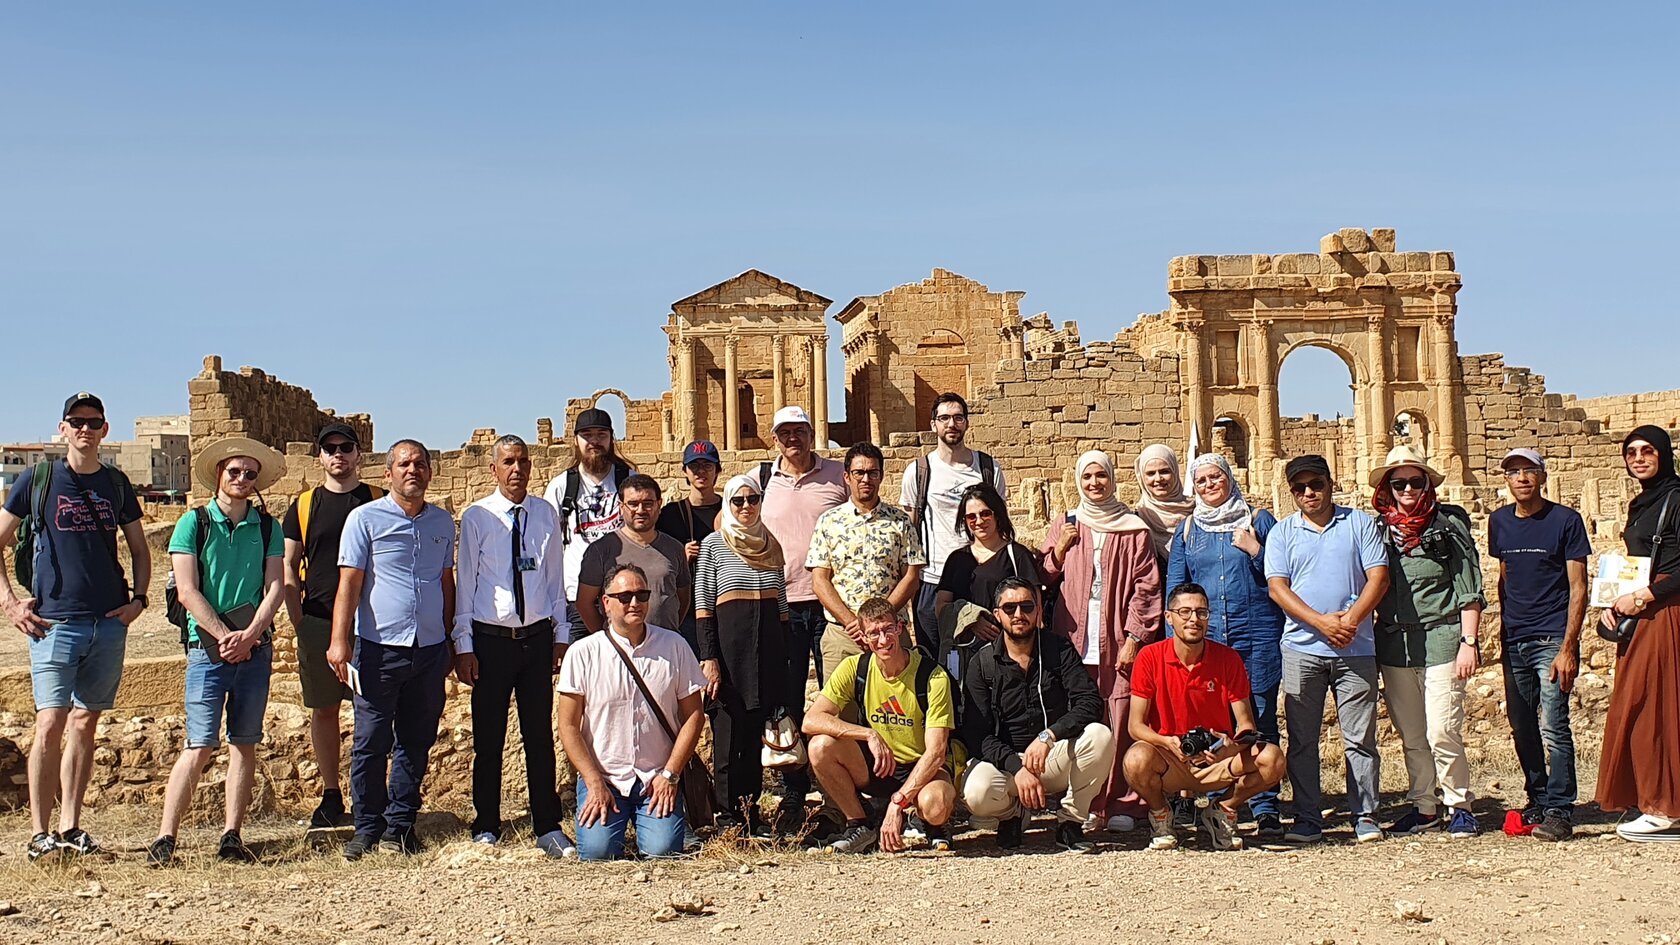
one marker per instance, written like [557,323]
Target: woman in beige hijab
[1163,504]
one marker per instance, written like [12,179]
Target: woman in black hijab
[1640,764]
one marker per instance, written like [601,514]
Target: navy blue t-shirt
[1536,552]
[76,574]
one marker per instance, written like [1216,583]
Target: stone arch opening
[1411,426]
[1319,405]
[616,403]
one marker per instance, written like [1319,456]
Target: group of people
[1131,669]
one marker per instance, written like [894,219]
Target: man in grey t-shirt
[639,543]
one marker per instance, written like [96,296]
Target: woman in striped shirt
[740,605]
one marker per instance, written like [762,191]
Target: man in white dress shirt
[510,584]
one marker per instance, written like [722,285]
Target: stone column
[1266,424]
[1381,401]
[685,394]
[1447,405]
[731,397]
[819,388]
[1195,384]
[1015,341]
[778,372]
[667,430]
[876,343]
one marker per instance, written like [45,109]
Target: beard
[1019,636]
[597,465]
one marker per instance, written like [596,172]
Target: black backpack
[33,529]
[574,483]
[173,608]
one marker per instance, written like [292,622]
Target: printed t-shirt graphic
[893,710]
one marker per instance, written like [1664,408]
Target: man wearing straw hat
[226,559]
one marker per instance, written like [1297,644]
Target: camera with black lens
[1198,741]
[1436,545]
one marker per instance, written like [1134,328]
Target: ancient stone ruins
[1205,368]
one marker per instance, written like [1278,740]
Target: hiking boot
[42,845]
[404,841]
[76,840]
[1161,833]
[1009,833]
[856,838]
[233,850]
[1221,827]
[1464,824]
[1556,826]
[1415,822]
[359,846]
[1268,827]
[329,812]
[1365,830]
[1071,837]
[161,852]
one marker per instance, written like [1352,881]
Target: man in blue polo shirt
[1327,567]
[396,591]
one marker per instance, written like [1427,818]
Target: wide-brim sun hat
[204,464]
[1405,455]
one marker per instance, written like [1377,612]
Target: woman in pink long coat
[1108,603]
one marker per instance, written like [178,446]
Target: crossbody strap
[1658,538]
[641,684]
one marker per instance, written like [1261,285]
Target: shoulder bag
[696,777]
[1626,625]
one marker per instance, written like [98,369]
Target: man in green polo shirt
[227,562]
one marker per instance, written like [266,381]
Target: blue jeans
[806,621]
[655,836]
[1539,714]
[80,662]
[1266,717]
[239,688]
[397,716]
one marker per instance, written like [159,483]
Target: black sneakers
[1071,837]
[856,838]
[42,845]
[329,812]
[1009,833]
[161,852]
[233,850]
[359,846]
[1555,827]
[406,842]
[77,841]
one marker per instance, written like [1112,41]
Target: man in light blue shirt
[396,590]
[1327,568]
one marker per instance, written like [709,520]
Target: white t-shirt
[945,489]
[596,515]
[618,723]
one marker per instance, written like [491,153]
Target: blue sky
[461,215]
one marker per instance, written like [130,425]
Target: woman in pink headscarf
[1101,563]
[1162,503]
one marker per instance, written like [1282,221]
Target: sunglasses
[1414,484]
[331,449]
[1185,613]
[625,597]
[1018,606]
[85,423]
[1310,485]
[742,501]
[249,475]
[979,516]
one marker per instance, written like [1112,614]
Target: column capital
[730,342]
[776,342]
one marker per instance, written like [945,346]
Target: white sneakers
[1161,835]
[1650,828]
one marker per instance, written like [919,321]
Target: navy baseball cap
[83,399]
[702,449]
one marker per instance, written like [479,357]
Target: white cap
[790,414]
[1523,452]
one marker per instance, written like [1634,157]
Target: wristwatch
[1047,736]
[1469,642]
[668,776]
[141,600]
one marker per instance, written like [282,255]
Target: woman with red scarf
[1427,638]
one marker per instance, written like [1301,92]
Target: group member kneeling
[902,751]
[1032,716]
[1191,684]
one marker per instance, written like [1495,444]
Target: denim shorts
[239,688]
[80,662]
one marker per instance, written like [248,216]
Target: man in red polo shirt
[1184,683]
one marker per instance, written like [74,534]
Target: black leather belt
[545,625]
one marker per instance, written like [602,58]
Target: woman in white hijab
[1107,586]
[741,615]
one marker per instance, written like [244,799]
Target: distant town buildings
[158,460]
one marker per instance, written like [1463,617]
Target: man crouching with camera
[1187,692]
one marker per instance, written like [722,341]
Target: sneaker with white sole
[557,846]
[1120,823]
[1650,828]
[1366,830]
[485,837]
[856,838]
[1464,824]
[1221,827]
[1161,834]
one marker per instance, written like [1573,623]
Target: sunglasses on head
[1413,484]
[333,448]
[249,475]
[1014,607]
[85,423]
[742,501]
[625,597]
[1309,485]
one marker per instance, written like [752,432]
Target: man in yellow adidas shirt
[901,751]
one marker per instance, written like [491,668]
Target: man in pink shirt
[798,488]
[627,764]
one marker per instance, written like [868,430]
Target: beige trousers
[1427,709]
[1074,773]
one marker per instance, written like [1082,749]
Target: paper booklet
[1618,575]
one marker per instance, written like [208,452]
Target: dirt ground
[1433,890]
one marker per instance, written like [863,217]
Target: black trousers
[737,739]
[522,670]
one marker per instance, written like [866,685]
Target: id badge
[524,563]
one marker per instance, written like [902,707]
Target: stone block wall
[1622,412]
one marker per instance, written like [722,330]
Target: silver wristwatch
[668,775]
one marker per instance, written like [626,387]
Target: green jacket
[1417,622]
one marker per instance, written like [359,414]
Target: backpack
[173,608]
[574,483]
[764,471]
[924,472]
[957,753]
[32,530]
[305,502]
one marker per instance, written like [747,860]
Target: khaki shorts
[321,688]
[1215,777]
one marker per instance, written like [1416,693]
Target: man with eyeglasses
[585,498]
[1327,568]
[511,584]
[1184,689]
[799,486]
[865,548]
[1033,718]
[75,610]
[312,528]
[1542,550]
[629,764]
[396,601]
[930,491]
[639,542]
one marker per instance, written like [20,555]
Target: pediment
[754,289]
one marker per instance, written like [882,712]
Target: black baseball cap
[337,429]
[83,399]
[1310,463]
[591,419]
